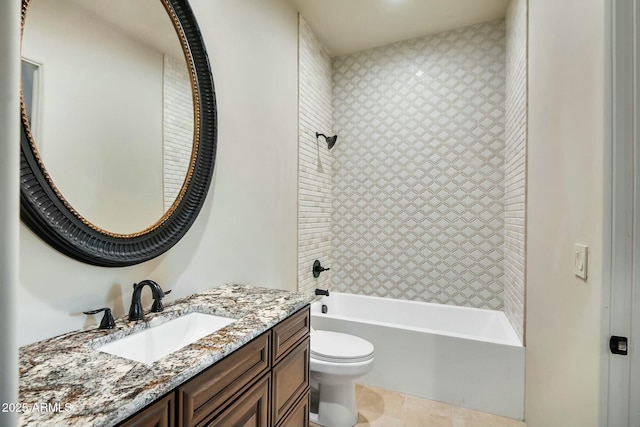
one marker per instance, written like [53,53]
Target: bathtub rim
[512,341]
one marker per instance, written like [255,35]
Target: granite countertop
[65,381]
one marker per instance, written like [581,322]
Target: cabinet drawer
[290,380]
[287,333]
[250,410]
[205,394]
[299,414]
[162,413]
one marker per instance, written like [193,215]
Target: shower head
[331,140]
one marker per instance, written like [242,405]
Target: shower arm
[331,140]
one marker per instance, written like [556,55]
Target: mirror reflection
[110,103]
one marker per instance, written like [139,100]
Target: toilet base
[338,361]
[313,417]
[336,405]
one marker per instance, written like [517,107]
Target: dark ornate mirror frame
[53,219]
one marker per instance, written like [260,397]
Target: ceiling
[347,26]
[343,26]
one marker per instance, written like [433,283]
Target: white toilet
[337,360]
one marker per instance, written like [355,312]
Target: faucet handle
[157,306]
[107,321]
[318,268]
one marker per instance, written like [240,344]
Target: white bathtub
[459,355]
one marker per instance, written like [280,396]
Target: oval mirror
[119,126]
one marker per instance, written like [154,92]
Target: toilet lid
[338,347]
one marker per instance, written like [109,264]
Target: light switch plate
[580,256]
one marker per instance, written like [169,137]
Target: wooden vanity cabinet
[289,333]
[264,383]
[203,397]
[290,372]
[251,409]
[161,413]
[299,414]
[290,381]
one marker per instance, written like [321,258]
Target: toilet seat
[337,347]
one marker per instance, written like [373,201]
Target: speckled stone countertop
[64,381]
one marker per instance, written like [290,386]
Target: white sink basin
[158,341]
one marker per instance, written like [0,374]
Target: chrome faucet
[135,312]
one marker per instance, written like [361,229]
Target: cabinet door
[250,410]
[290,380]
[162,413]
[203,396]
[299,414]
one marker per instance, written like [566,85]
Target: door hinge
[618,345]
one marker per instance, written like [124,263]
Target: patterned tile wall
[418,195]
[314,160]
[515,164]
[177,129]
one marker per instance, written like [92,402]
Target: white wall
[9,203]
[116,144]
[246,232]
[564,206]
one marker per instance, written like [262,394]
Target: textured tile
[423,198]
[377,421]
[373,402]
[415,404]
[515,164]
[418,173]
[420,419]
[423,412]
[379,407]
[462,417]
[314,160]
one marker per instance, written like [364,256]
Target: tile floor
[378,407]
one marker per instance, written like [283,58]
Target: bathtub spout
[322,292]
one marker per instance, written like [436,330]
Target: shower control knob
[317,268]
